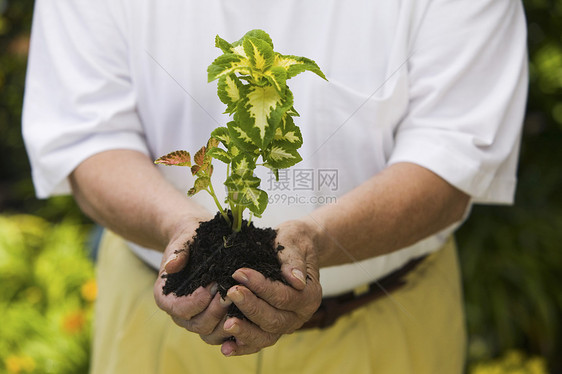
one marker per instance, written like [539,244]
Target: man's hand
[200,312]
[274,308]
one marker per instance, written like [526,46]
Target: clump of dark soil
[216,253]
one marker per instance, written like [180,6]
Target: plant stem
[237,216]
[211,191]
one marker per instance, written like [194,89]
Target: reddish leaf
[199,157]
[177,158]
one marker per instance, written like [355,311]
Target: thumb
[298,260]
[176,261]
[293,267]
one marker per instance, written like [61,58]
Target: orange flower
[74,322]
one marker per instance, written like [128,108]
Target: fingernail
[236,296]
[225,302]
[299,275]
[240,276]
[227,351]
[170,259]
[214,288]
[230,325]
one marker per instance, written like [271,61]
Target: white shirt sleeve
[79,99]
[468,87]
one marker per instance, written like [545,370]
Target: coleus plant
[252,82]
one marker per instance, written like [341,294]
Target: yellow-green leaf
[295,65]
[222,134]
[225,46]
[261,111]
[277,77]
[259,52]
[212,143]
[258,34]
[230,90]
[228,63]
[219,154]
[200,184]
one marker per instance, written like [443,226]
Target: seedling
[252,82]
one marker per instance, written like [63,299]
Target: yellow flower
[19,364]
[89,290]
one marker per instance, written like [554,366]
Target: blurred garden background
[511,256]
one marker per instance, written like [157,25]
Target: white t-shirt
[438,83]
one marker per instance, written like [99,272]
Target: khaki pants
[417,329]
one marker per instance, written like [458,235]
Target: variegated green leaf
[237,184]
[295,65]
[228,63]
[277,77]
[176,158]
[200,184]
[239,50]
[243,164]
[257,199]
[259,52]
[225,46]
[258,34]
[244,191]
[240,137]
[261,111]
[212,143]
[234,150]
[222,134]
[230,90]
[289,132]
[281,155]
[219,154]
[293,112]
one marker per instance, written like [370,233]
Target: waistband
[333,308]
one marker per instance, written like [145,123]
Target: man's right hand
[201,312]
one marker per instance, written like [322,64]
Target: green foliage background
[511,256]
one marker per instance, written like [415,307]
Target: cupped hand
[202,311]
[274,308]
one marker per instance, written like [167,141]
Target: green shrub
[46,295]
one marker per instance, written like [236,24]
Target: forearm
[123,191]
[396,208]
